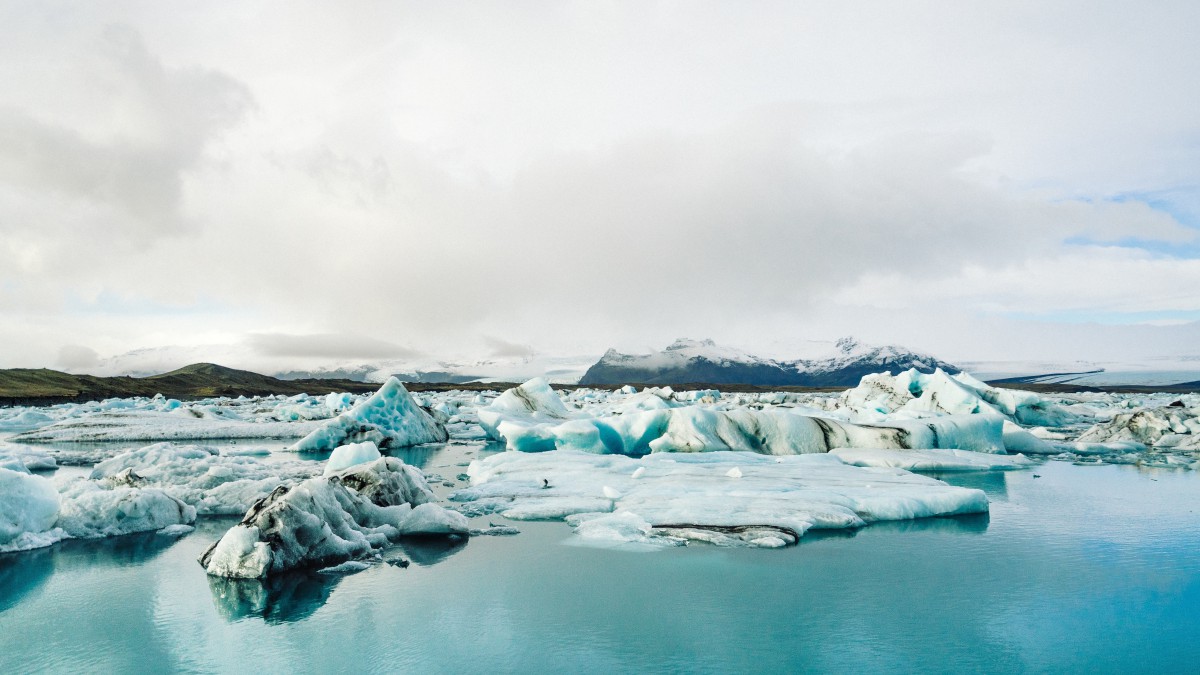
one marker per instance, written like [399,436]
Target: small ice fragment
[639,472]
[611,493]
[348,567]
[734,473]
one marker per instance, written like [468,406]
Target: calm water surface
[1091,568]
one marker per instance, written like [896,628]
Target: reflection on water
[1080,569]
[24,572]
[426,551]
[281,598]
[994,483]
[971,523]
[296,595]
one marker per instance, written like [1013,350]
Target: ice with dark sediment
[328,520]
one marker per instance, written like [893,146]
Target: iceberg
[327,520]
[201,476]
[28,510]
[90,510]
[155,425]
[347,456]
[675,498]
[545,424]
[1167,426]
[389,418]
[529,404]
[961,394]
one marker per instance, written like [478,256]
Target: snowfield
[622,467]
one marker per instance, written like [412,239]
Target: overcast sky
[371,180]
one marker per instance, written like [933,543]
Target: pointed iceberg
[389,418]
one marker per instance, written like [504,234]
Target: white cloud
[569,176]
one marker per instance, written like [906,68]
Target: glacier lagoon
[1075,567]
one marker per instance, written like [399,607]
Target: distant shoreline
[40,387]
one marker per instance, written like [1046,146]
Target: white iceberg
[347,456]
[682,497]
[1167,426]
[28,510]
[389,418]
[328,520]
[698,428]
[90,510]
[201,476]
[532,403]
[961,394]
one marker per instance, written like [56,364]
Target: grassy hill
[23,386]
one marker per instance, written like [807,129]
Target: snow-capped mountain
[696,361]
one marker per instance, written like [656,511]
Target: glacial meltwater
[1076,568]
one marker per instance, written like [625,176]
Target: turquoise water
[1091,568]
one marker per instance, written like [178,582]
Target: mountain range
[703,361]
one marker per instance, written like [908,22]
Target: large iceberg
[389,418]
[327,520]
[34,514]
[728,498]
[915,392]
[535,420]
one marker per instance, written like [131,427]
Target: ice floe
[772,501]
[930,460]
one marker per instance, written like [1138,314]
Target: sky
[388,180]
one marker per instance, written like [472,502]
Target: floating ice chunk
[28,461]
[930,460]
[960,394]
[611,493]
[771,431]
[24,420]
[734,473]
[176,530]
[156,425]
[348,567]
[90,511]
[348,455]
[689,496]
[200,476]
[639,472]
[1018,440]
[330,519]
[388,418]
[28,509]
[1149,426]
[532,402]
